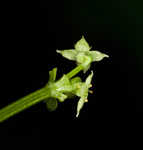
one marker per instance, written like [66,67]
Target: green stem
[31,99]
[74,71]
[23,103]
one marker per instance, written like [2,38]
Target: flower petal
[97,56]
[80,106]
[69,54]
[82,45]
[88,79]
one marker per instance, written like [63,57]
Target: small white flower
[82,54]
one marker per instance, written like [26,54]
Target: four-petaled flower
[82,54]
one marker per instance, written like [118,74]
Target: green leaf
[69,54]
[51,104]
[82,45]
[97,56]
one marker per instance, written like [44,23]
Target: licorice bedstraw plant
[68,86]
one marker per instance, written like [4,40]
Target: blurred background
[30,37]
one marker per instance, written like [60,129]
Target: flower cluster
[64,88]
[67,86]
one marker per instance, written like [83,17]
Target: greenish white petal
[69,54]
[89,79]
[82,45]
[97,56]
[80,105]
